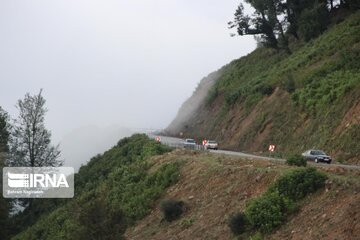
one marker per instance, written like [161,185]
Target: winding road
[178,142]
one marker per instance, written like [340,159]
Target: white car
[189,143]
[211,145]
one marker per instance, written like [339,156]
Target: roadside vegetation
[270,210]
[113,191]
[296,160]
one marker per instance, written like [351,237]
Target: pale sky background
[129,63]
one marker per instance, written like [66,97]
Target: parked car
[189,143]
[317,156]
[211,145]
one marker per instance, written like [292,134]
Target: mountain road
[178,143]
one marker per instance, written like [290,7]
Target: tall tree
[275,20]
[4,205]
[4,131]
[30,142]
[293,9]
[313,21]
[307,18]
[264,22]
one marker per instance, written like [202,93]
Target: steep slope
[214,187]
[112,191]
[118,193]
[307,99]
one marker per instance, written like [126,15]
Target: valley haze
[102,63]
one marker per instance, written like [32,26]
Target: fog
[124,63]
[89,141]
[192,105]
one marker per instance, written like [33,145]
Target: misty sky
[126,62]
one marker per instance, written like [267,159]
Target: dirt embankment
[214,187]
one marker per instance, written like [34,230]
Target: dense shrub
[100,221]
[269,211]
[297,184]
[323,91]
[296,160]
[264,89]
[171,209]
[266,212]
[237,223]
[289,84]
[135,189]
[250,93]
[232,98]
[165,176]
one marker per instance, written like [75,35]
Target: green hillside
[309,98]
[112,192]
[119,194]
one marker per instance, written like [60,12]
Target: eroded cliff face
[307,99]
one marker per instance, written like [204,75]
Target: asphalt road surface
[178,142]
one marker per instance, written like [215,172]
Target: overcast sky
[125,62]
